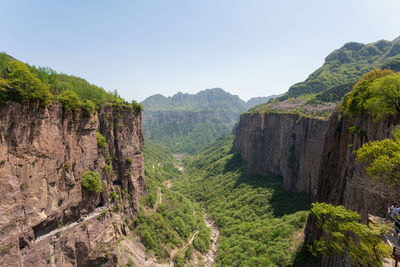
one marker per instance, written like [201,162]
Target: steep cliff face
[343,181]
[285,144]
[46,217]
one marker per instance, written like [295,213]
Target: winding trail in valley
[159,198]
[211,255]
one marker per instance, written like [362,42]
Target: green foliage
[185,137]
[370,88]
[176,218]
[185,122]
[334,94]
[343,233]
[179,261]
[92,183]
[101,143]
[67,165]
[159,163]
[113,196]
[137,106]
[20,85]
[24,83]
[69,100]
[344,66]
[383,158]
[88,107]
[354,129]
[256,217]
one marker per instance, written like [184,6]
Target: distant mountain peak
[344,66]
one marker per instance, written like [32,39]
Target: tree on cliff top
[345,235]
[22,86]
[25,83]
[377,93]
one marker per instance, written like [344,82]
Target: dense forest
[168,220]
[260,224]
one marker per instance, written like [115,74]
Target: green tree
[92,183]
[354,101]
[70,100]
[24,86]
[377,93]
[344,234]
[383,158]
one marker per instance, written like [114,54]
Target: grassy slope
[257,219]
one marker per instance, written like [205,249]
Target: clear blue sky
[247,47]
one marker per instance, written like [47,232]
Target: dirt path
[159,198]
[179,158]
[173,252]
[168,183]
[95,213]
[211,255]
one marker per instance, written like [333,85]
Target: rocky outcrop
[43,154]
[285,144]
[343,181]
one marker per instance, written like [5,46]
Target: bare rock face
[343,181]
[46,217]
[285,144]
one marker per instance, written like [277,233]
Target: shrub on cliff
[377,93]
[101,143]
[137,106]
[344,234]
[92,183]
[383,158]
[69,100]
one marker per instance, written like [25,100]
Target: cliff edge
[47,217]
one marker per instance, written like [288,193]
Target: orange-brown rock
[43,155]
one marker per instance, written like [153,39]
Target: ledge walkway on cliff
[92,215]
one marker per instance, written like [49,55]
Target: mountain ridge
[202,100]
[345,65]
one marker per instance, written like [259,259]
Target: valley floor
[202,210]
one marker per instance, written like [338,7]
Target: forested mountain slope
[343,67]
[184,122]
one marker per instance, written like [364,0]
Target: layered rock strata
[46,217]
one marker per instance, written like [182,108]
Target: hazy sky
[247,47]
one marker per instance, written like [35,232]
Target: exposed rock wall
[43,155]
[343,181]
[284,144]
[177,117]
